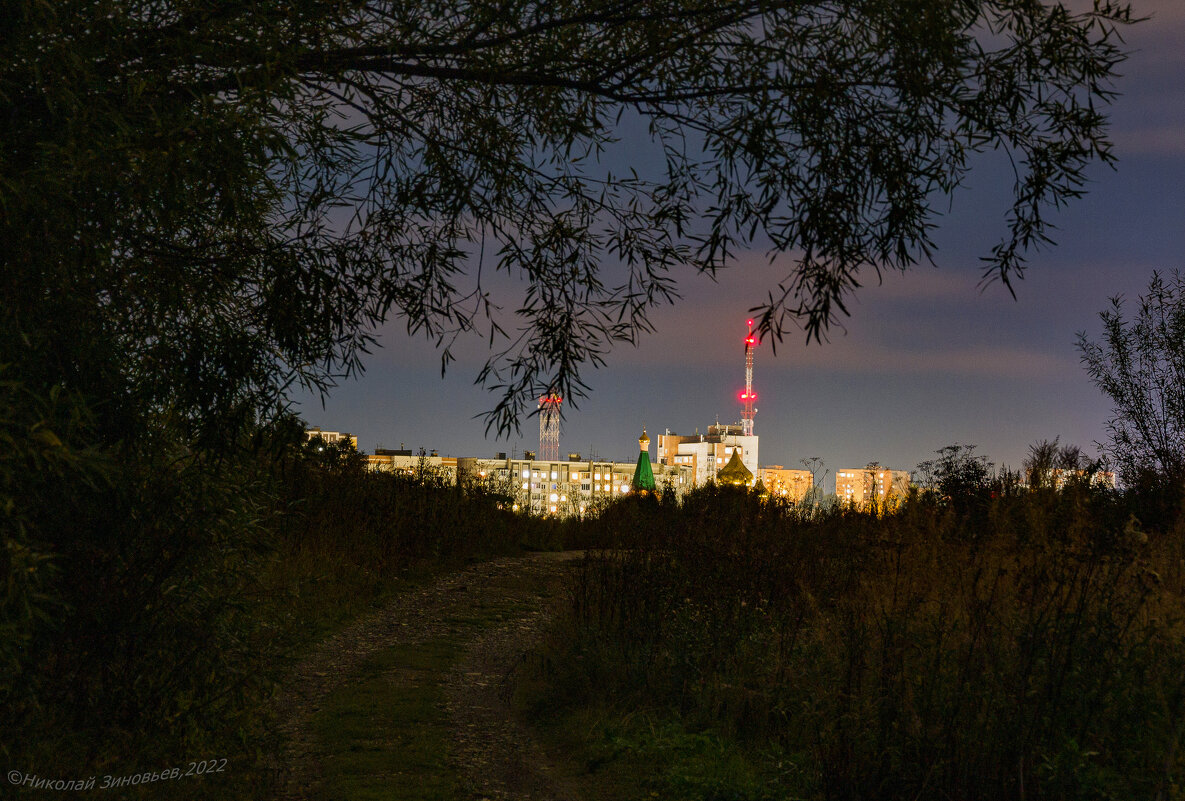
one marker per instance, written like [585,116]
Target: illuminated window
[597,477]
[554,475]
[554,497]
[526,474]
[524,485]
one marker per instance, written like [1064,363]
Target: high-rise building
[707,453]
[330,437]
[781,482]
[872,483]
[560,487]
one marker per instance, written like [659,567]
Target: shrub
[898,656]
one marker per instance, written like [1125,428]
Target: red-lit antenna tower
[549,427]
[748,397]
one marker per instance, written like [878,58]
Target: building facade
[330,437]
[781,482]
[560,487]
[861,486]
[706,454]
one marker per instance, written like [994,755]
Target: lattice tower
[549,427]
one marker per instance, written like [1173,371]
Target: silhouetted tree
[340,455]
[1140,365]
[1047,456]
[205,205]
[201,206]
[958,477]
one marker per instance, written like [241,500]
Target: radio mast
[748,397]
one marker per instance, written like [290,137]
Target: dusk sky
[926,359]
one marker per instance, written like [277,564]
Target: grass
[1026,646]
[614,754]
[385,733]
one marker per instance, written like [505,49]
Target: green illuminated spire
[643,475]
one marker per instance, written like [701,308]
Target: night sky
[926,359]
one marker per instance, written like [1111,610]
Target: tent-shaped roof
[643,480]
[735,472]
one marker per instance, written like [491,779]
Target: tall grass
[344,536]
[1029,647]
[170,593]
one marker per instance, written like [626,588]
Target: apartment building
[872,483]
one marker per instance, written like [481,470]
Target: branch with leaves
[271,183]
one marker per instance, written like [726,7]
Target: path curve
[494,756]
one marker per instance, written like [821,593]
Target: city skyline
[927,359]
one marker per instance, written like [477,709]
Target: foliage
[1140,366]
[201,206]
[904,656]
[340,456]
[1046,457]
[151,652]
[35,458]
[963,482]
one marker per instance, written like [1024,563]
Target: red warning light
[750,323]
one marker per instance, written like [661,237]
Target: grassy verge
[621,754]
[1030,647]
[385,733]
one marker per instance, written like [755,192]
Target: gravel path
[495,758]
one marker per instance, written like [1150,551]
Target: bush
[898,656]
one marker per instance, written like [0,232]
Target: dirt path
[491,614]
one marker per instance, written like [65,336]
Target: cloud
[1167,140]
[997,361]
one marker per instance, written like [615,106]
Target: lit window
[719,460]
[526,474]
[554,497]
[597,477]
[553,508]
[554,475]
[524,485]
